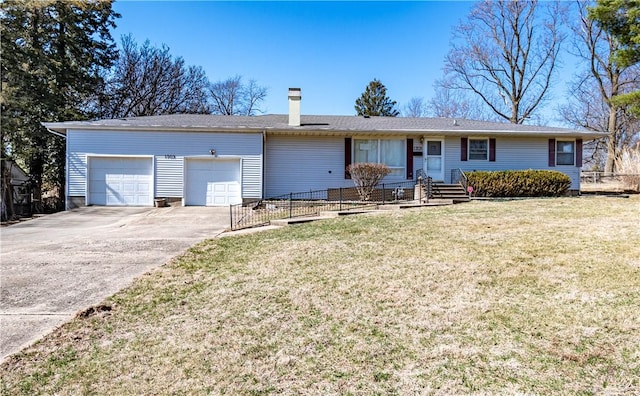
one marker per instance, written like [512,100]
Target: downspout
[264,157]
[66,166]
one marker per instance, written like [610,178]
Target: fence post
[290,205]
[383,193]
[340,198]
[231,216]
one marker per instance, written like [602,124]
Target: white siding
[511,153]
[297,164]
[163,146]
[252,177]
[169,176]
[76,171]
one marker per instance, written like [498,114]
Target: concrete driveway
[54,266]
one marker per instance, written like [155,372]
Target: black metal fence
[311,203]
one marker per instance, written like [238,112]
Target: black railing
[458,177]
[427,184]
[311,203]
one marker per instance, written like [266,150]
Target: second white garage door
[212,182]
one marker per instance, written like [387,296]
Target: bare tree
[415,108]
[232,97]
[453,103]
[506,55]
[148,81]
[254,94]
[590,104]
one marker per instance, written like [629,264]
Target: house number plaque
[169,156]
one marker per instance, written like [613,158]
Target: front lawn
[518,297]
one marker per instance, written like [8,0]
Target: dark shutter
[492,150]
[579,153]
[552,152]
[463,148]
[409,159]
[347,157]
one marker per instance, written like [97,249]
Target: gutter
[55,133]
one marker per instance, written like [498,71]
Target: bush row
[519,183]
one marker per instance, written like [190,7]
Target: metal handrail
[458,176]
[425,182]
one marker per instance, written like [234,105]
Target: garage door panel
[121,181]
[129,188]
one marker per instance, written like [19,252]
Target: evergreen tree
[621,19]
[53,53]
[375,102]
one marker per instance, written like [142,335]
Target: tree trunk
[612,125]
[612,140]
[7,192]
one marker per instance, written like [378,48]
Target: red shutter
[492,150]
[579,153]
[409,159]
[552,152]
[347,157]
[463,149]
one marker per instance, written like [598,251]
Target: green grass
[520,297]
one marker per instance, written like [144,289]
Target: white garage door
[212,182]
[120,181]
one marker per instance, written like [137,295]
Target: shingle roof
[319,124]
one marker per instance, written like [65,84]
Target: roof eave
[62,128]
[435,132]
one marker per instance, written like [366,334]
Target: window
[479,149]
[383,151]
[565,152]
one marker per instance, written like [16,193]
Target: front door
[434,159]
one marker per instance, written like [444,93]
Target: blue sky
[329,49]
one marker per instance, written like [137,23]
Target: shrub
[519,183]
[366,175]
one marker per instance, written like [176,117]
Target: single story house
[223,160]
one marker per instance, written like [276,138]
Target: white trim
[66,177]
[469,139]
[574,151]
[403,139]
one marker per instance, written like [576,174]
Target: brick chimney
[294,106]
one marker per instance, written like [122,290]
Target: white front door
[433,152]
